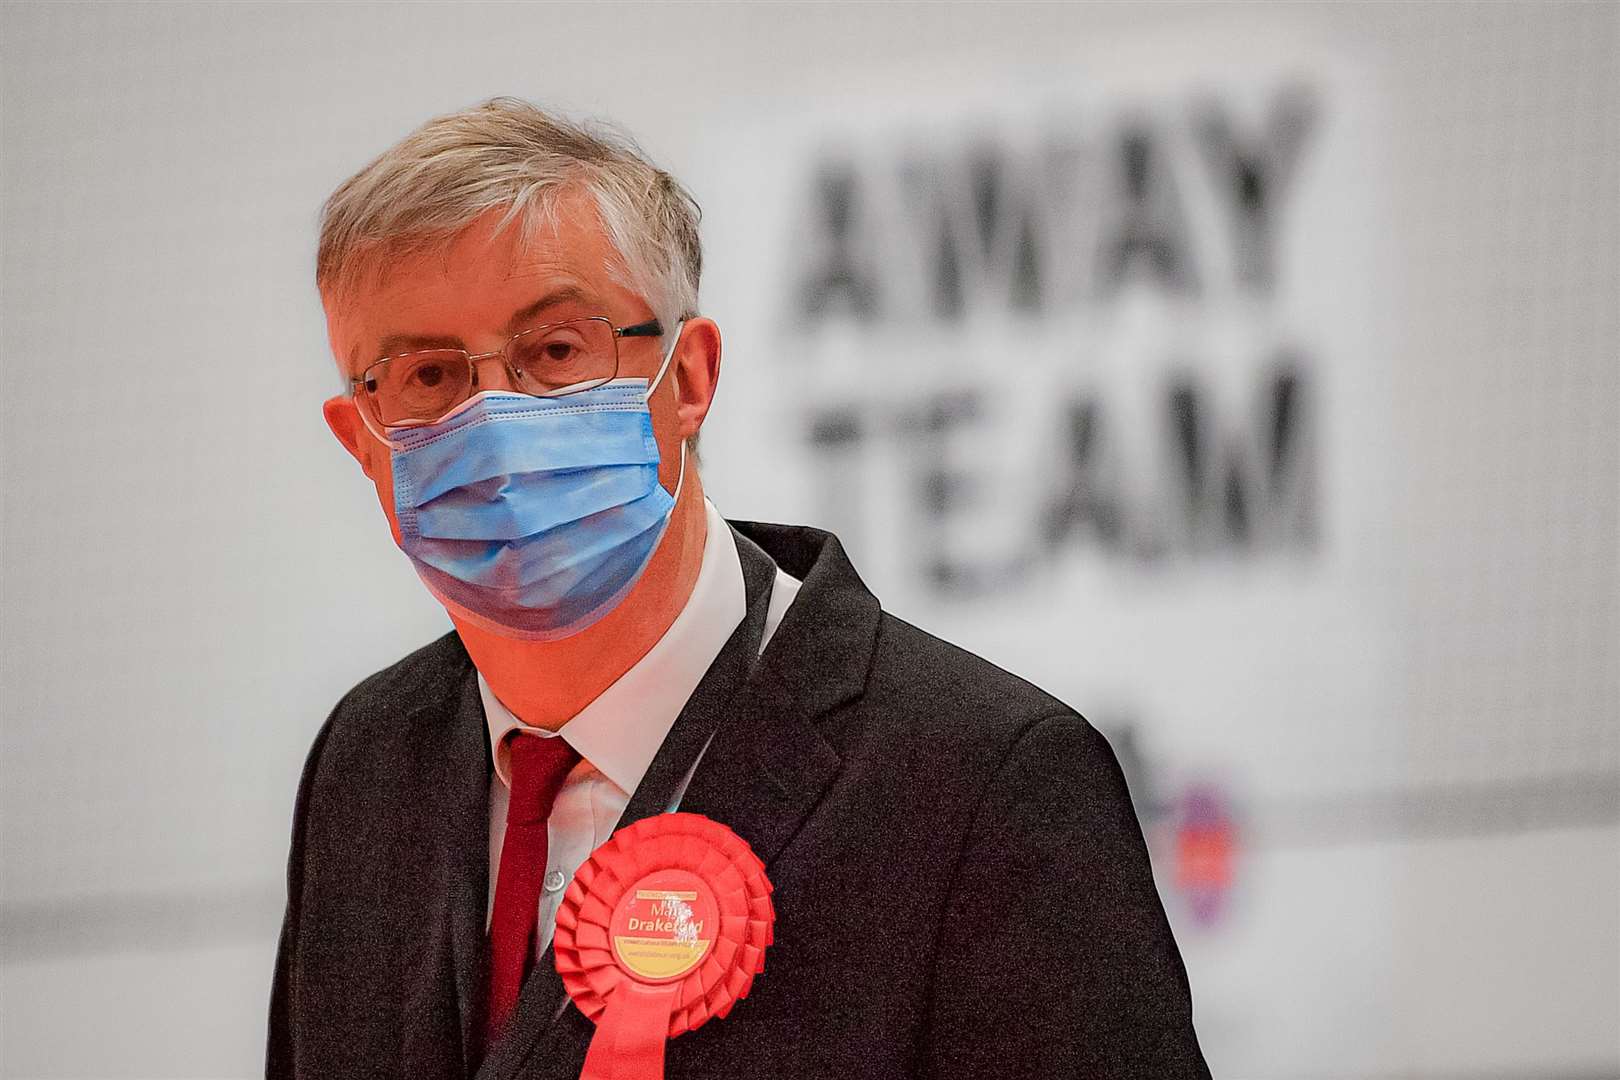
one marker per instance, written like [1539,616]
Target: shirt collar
[621,730]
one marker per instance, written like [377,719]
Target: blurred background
[1247,376]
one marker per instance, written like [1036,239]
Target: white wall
[193,571]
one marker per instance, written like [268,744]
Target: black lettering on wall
[1145,230]
[942,492]
[980,223]
[838,437]
[1253,173]
[1089,503]
[1248,487]
[1004,223]
[839,278]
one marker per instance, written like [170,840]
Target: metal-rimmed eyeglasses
[417,388]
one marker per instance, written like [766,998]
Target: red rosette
[663,928]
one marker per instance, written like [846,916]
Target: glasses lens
[417,386]
[569,356]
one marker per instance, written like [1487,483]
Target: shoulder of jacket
[373,727]
[432,676]
[923,683]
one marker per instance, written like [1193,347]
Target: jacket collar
[821,654]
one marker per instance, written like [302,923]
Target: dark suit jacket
[961,885]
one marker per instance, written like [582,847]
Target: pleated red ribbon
[663,927]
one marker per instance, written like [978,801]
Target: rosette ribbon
[663,928]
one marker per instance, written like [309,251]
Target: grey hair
[508,154]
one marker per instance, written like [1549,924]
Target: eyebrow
[394,344]
[567,294]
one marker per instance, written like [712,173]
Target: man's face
[475,297]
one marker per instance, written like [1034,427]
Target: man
[960,884]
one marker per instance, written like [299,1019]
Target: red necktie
[538,767]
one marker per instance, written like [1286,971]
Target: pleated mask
[533,517]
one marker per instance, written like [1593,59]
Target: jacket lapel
[765,767]
[443,1002]
[469,895]
[769,763]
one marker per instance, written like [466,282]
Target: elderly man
[960,884]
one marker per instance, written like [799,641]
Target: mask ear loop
[680,477]
[669,354]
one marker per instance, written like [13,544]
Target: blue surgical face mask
[534,517]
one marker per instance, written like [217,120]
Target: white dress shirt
[618,734]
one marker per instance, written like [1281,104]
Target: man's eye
[558,352]
[428,375]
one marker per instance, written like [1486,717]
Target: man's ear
[344,419]
[697,373]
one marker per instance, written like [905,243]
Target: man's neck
[546,683]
